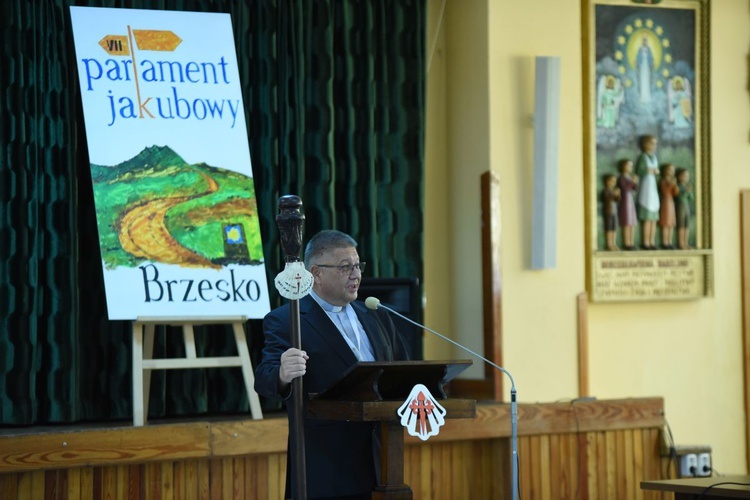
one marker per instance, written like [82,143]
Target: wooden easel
[143,362]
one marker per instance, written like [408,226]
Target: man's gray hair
[323,242]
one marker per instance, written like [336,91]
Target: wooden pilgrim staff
[293,283]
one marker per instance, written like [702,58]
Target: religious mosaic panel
[646,74]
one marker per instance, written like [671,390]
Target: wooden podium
[373,391]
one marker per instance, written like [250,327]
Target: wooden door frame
[491,386]
[745,286]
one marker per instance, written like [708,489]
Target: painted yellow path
[143,233]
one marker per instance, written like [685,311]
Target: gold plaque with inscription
[649,276]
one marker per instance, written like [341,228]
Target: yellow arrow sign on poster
[115,45]
[163,40]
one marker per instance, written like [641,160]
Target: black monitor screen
[402,295]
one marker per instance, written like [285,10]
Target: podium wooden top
[392,380]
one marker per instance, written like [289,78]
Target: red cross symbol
[422,407]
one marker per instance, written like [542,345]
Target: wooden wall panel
[229,478]
[609,465]
[551,467]
[595,453]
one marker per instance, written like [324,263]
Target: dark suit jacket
[342,458]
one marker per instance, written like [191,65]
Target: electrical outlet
[704,465]
[689,465]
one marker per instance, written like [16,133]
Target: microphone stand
[513,394]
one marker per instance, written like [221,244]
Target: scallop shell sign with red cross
[421,414]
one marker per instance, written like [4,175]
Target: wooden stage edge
[26,449]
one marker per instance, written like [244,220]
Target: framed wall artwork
[647,150]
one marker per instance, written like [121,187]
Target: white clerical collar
[327,306]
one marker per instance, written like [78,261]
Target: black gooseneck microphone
[373,303]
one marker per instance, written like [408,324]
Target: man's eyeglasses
[347,269]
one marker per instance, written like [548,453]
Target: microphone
[374,303]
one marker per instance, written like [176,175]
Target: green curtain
[334,94]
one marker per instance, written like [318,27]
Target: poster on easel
[170,163]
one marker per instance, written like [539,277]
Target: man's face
[331,284]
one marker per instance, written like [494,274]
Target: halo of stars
[628,39]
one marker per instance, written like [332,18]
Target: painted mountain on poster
[155,207]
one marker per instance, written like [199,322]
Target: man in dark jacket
[342,458]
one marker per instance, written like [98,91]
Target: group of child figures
[666,201]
